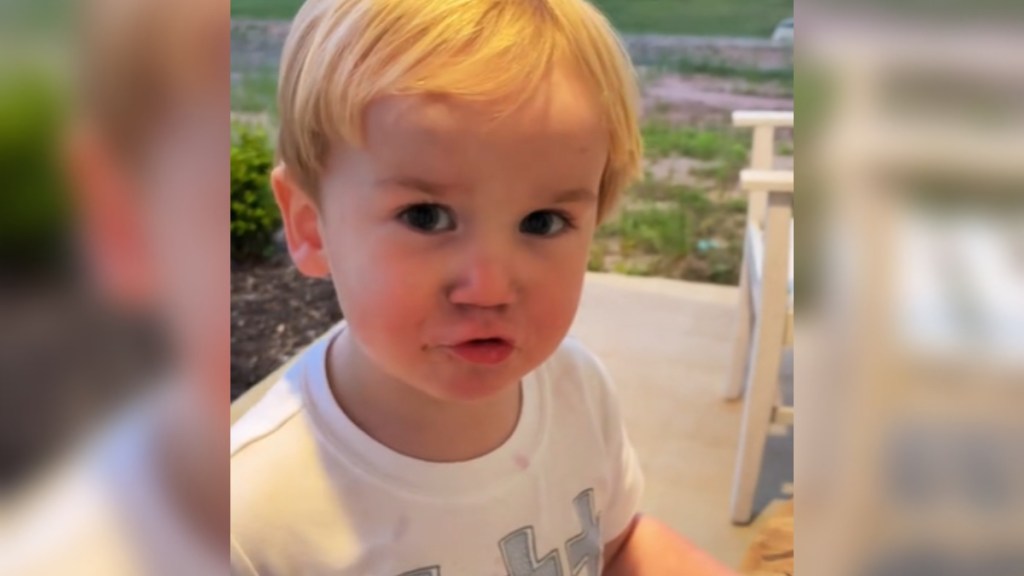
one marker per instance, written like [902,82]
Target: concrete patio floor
[667,345]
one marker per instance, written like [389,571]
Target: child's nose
[485,281]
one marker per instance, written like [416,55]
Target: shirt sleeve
[240,564]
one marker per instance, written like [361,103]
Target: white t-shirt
[105,511]
[311,493]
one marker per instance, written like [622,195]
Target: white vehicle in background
[783,33]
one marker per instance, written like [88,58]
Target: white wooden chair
[765,320]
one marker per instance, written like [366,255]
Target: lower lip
[488,353]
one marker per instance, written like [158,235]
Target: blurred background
[910,275]
[114,286]
[66,354]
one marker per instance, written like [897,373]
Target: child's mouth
[483,350]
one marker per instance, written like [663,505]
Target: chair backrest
[762,150]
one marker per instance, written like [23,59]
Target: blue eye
[543,223]
[430,218]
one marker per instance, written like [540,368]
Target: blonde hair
[131,73]
[342,54]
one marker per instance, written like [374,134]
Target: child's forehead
[562,104]
[432,131]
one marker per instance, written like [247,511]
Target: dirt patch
[275,312]
[67,359]
[707,100]
[677,170]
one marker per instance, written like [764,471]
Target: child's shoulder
[575,374]
[283,405]
[273,441]
[572,359]
[268,439]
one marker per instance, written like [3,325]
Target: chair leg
[733,388]
[762,381]
[766,357]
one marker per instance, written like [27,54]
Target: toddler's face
[458,245]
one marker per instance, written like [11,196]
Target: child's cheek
[554,312]
[394,290]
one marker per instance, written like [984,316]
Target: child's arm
[647,546]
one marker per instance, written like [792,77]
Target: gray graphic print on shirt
[519,551]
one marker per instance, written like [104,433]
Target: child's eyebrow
[574,195]
[436,189]
[419,184]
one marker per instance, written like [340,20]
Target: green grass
[663,139]
[665,232]
[687,234]
[700,17]
[265,9]
[255,92]
[725,147]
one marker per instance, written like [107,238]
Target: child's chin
[472,389]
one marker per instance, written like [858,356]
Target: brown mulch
[772,553]
[68,359]
[275,312]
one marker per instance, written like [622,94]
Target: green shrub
[34,215]
[254,217]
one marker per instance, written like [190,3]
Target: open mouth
[483,350]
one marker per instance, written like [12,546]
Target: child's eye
[543,223]
[428,218]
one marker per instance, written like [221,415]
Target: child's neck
[411,422]
[191,464]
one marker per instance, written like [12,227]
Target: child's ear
[110,218]
[301,224]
